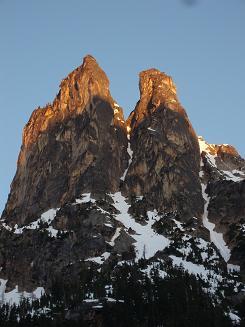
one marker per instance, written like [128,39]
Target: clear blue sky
[200,43]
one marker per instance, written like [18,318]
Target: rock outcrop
[165,151]
[77,144]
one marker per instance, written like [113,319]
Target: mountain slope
[94,193]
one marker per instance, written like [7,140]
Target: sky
[200,43]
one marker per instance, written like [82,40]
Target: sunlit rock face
[76,144]
[155,88]
[165,161]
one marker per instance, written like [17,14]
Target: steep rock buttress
[75,145]
[165,160]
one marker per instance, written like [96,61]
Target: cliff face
[92,188]
[77,144]
[165,151]
[81,143]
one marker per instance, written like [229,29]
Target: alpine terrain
[122,222]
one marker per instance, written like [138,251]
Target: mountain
[113,221]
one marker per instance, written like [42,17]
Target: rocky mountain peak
[217,149]
[85,82]
[152,79]
[92,192]
[78,91]
[78,143]
[156,88]
[223,160]
[89,59]
[161,139]
[227,149]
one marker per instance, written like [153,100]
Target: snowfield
[147,241]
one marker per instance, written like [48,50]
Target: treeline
[140,299]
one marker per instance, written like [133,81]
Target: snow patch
[234,317]
[199,270]
[115,236]
[91,300]
[216,238]
[231,177]
[108,225]
[128,131]
[147,242]
[148,271]
[178,224]
[130,153]
[86,197]
[233,268]
[15,297]
[204,146]
[101,259]
[99,306]
[46,217]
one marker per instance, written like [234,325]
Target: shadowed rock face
[166,159]
[224,173]
[77,144]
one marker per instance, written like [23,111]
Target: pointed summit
[76,144]
[90,60]
[156,89]
[77,93]
[152,82]
[166,156]
[88,80]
